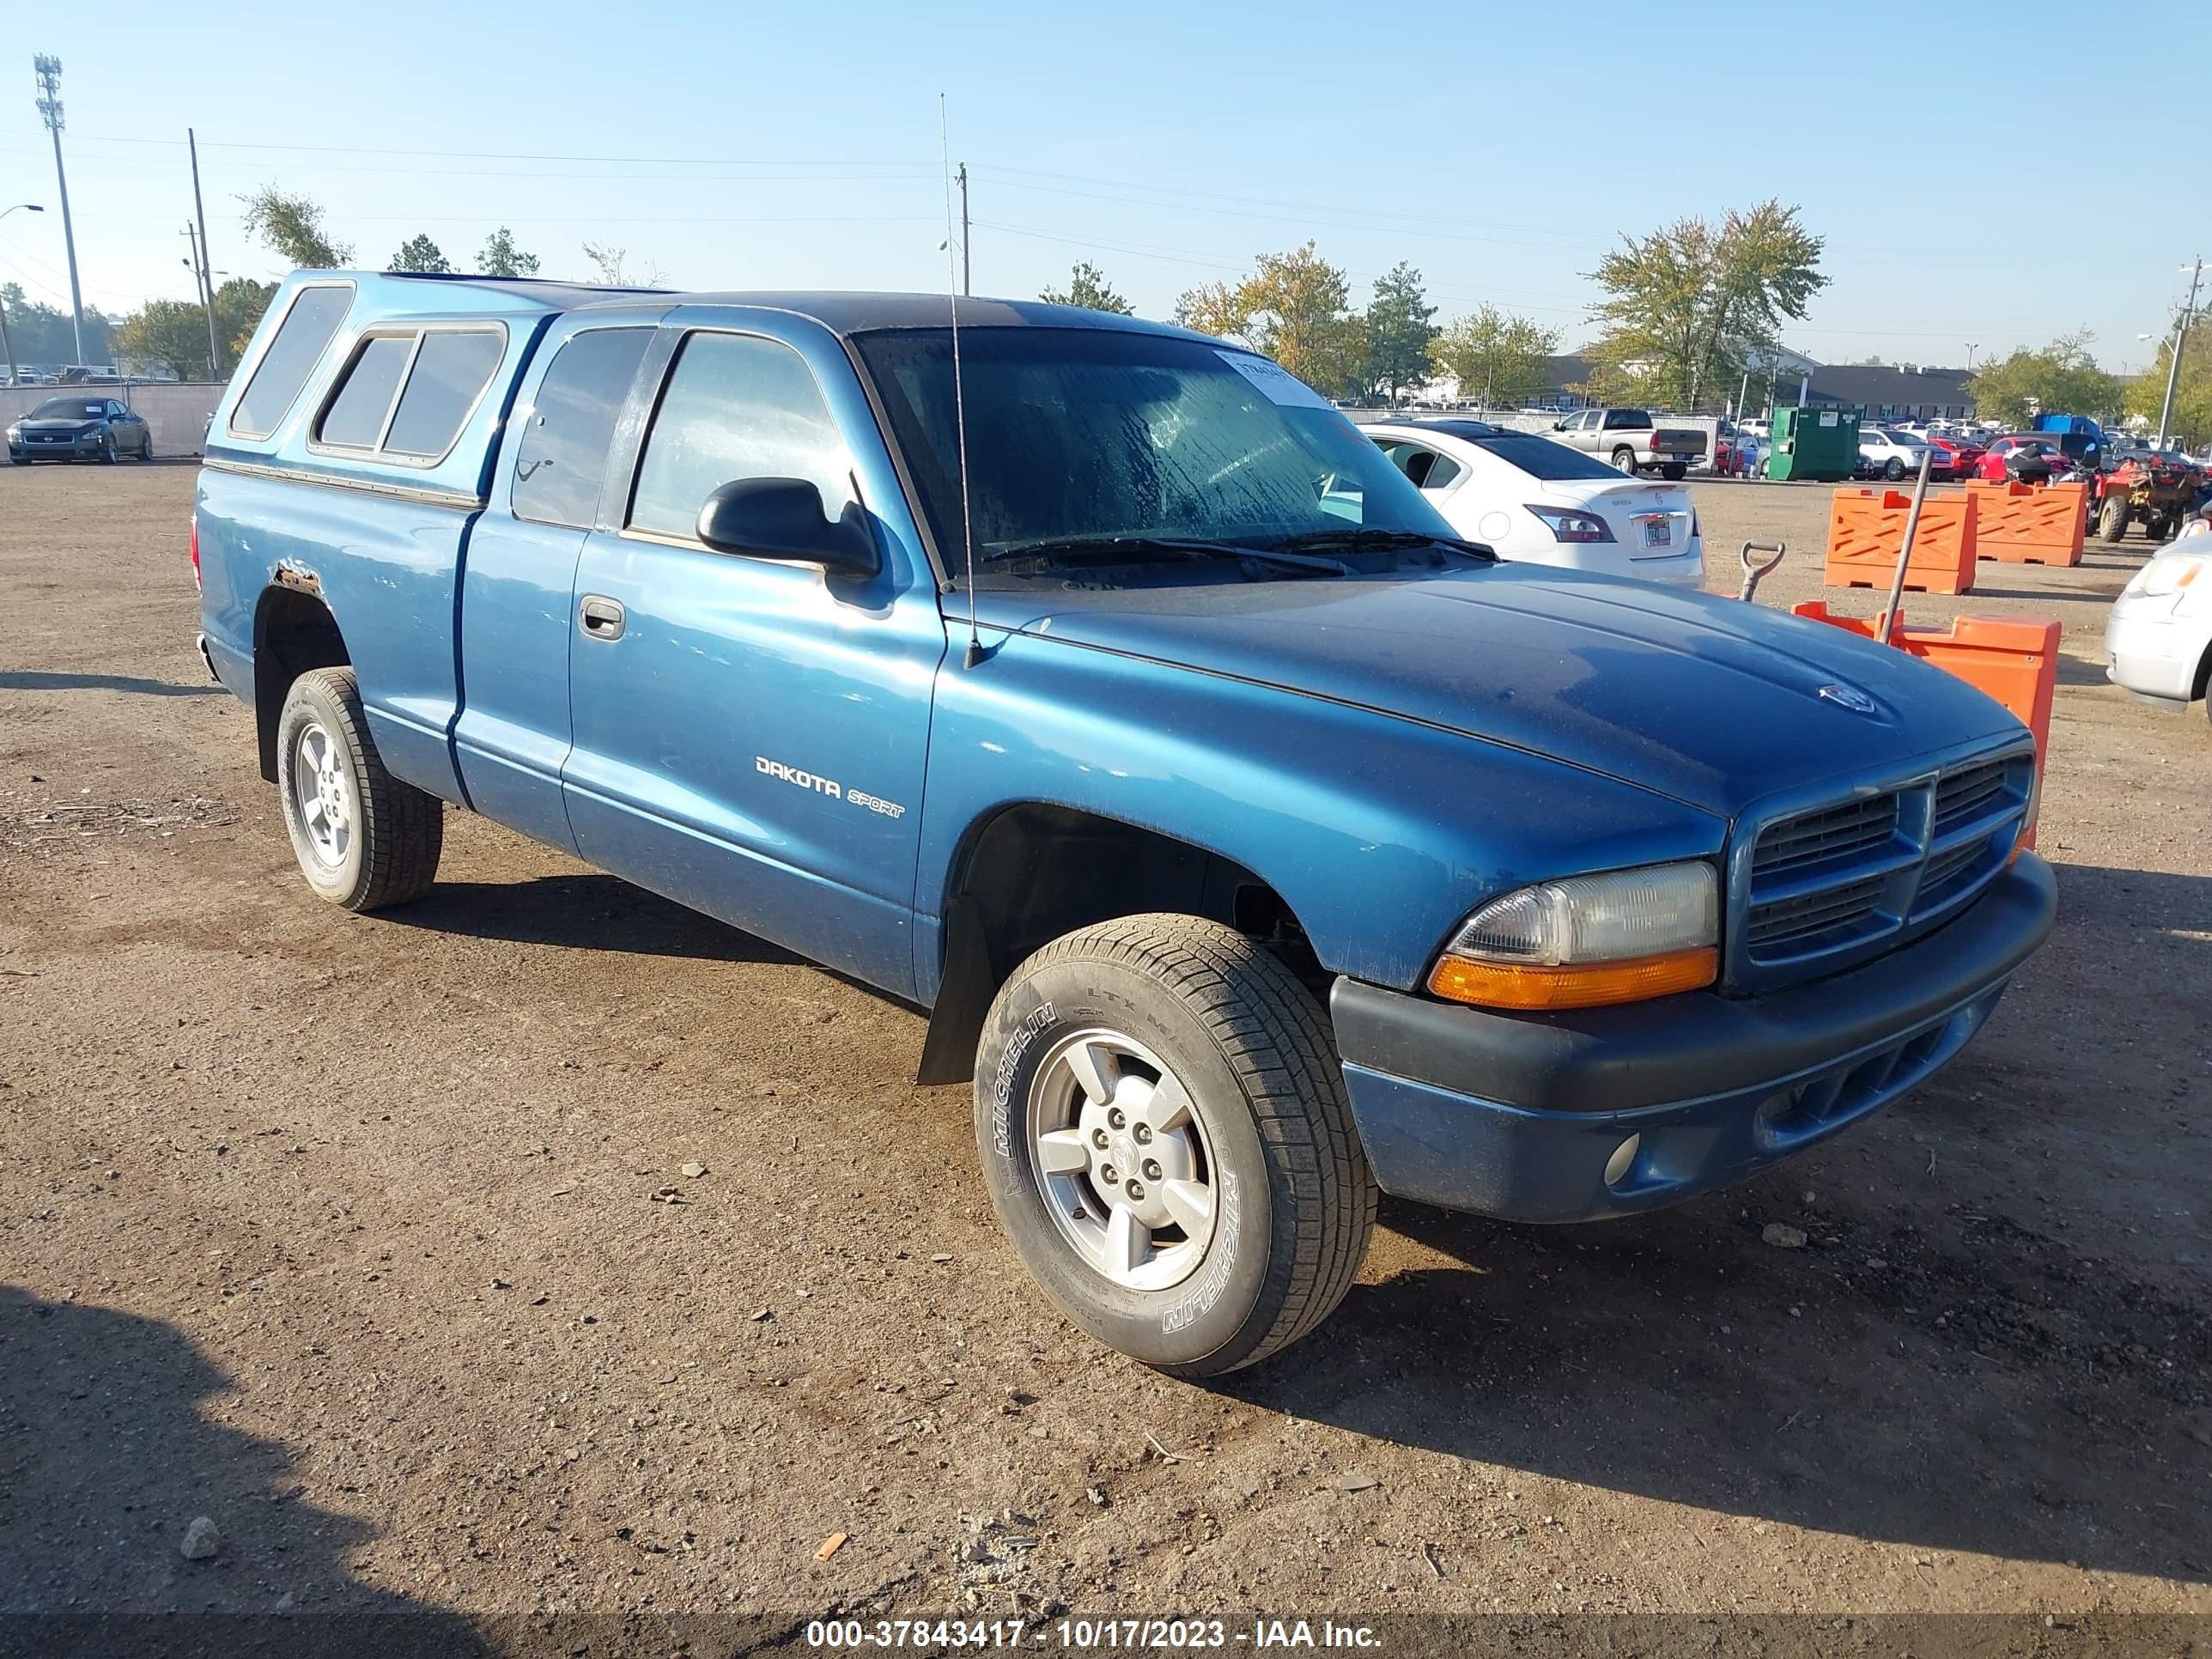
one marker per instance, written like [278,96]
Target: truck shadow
[586,912]
[107,1455]
[1678,1358]
[31,680]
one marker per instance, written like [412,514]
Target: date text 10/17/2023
[1085,1635]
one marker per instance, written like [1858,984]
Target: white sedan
[2159,633]
[1538,501]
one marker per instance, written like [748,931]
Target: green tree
[1298,308]
[1399,334]
[2062,378]
[293,226]
[1216,309]
[239,304]
[44,335]
[419,252]
[170,333]
[1693,303]
[1495,355]
[1087,287]
[173,333]
[501,258]
[2192,420]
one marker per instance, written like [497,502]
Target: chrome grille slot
[1944,865]
[1801,922]
[1963,793]
[1835,833]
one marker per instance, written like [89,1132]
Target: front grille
[1835,883]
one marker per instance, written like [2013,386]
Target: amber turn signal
[1586,985]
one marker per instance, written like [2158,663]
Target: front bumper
[2153,654]
[75,449]
[1519,1116]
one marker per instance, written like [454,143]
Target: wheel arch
[294,631]
[1028,872]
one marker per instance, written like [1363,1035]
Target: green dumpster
[1820,444]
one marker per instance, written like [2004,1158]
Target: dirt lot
[370,1240]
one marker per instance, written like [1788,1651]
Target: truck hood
[1710,701]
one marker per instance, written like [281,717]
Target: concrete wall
[177,411]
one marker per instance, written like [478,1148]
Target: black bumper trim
[1683,1047]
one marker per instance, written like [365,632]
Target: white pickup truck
[1631,441]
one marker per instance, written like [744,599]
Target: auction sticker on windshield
[1277,385]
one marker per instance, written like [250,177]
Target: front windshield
[1080,435]
[67,408]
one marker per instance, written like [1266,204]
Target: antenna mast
[975,653]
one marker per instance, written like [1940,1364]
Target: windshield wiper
[1135,548]
[1357,539]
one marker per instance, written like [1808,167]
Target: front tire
[1892,469]
[1166,1140]
[2112,520]
[108,453]
[364,840]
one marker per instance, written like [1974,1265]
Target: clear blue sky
[1499,149]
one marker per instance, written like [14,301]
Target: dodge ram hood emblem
[1851,697]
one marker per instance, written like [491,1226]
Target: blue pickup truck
[1253,843]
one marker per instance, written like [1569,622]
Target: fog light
[1624,1157]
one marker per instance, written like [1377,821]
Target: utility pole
[48,71]
[7,344]
[964,288]
[204,290]
[207,260]
[2180,339]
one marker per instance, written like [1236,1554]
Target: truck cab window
[562,454]
[736,406]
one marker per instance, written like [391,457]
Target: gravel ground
[378,1242]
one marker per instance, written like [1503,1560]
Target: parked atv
[2153,487]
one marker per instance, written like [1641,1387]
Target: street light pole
[1972,346]
[6,343]
[2180,338]
[50,111]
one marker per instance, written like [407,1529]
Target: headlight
[1622,936]
[2164,577]
[1567,525]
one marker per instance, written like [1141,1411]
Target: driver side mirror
[783,519]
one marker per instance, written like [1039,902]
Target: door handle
[601,617]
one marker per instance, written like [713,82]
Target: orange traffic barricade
[1866,527]
[2023,524]
[2015,660]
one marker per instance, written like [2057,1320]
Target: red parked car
[1955,458]
[1991,466]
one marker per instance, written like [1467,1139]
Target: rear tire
[364,839]
[146,448]
[1182,1046]
[1624,461]
[2112,520]
[1674,472]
